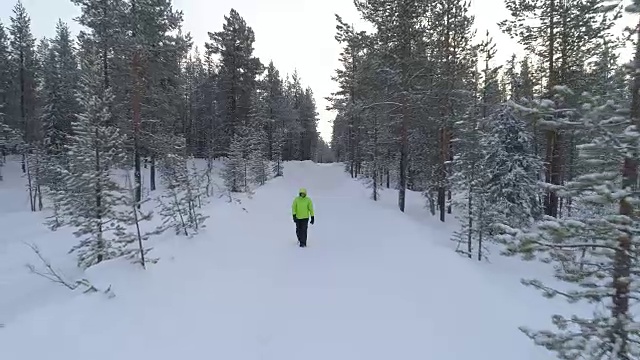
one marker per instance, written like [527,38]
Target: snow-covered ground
[373,284]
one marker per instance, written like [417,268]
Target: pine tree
[7,101]
[605,232]
[469,177]
[91,198]
[59,88]
[236,166]
[155,49]
[134,233]
[258,142]
[277,118]
[237,77]
[606,274]
[8,137]
[54,134]
[455,78]
[181,202]
[194,192]
[565,34]
[24,63]
[106,21]
[278,142]
[308,118]
[293,100]
[174,208]
[36,166]
[470,181]
[407,71]
[67,70]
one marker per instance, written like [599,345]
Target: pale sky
[295,34]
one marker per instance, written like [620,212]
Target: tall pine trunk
[470,215]
[623,252]
[32,198]
[98,197]
[442,200]
[23,110]
[444,146]
[553,155]
[152,173]
[402,186]
[137,109]
[137,106]
[405,54]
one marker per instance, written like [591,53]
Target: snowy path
[369,286]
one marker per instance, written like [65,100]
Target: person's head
[302,192]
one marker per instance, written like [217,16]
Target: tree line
[537,157]
[89,113]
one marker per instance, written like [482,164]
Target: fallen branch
[54,276]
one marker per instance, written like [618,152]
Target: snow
[373,284]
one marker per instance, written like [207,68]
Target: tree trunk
[137,106]
[152,173]
[553,171]
[470,215]
[448,111]
[402,186]
[98,197]
[23,109]
[442,198]
[30,185]
[553,155]
[623,252]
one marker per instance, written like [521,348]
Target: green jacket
[302,207]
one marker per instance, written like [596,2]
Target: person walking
[302,209]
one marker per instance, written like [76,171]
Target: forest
[536,157]
[132,92]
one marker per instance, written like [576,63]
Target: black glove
[294,218]
[313,219]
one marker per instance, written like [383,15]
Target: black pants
[301,231]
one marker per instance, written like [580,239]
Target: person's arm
[313,218]
[293,209]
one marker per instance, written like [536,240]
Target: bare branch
[50,273]
[54,276]
[382,103]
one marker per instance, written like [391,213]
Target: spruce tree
[512,167]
